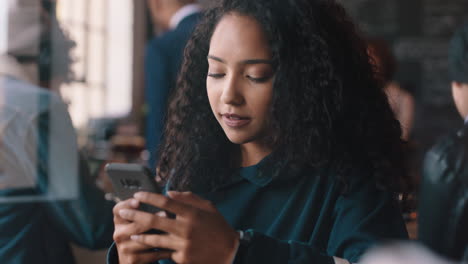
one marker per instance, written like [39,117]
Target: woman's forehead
[239,37]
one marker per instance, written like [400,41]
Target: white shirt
[21,105]
[182,13]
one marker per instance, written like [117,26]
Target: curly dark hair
[328,109]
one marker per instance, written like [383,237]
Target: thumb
[192,199]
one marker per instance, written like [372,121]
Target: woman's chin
[239,140]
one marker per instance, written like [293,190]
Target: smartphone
[128,179]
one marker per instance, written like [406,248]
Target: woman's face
[240,78]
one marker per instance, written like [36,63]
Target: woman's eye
[216,75]
[258,79]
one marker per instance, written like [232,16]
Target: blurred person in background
[400,100]
[38,149]
[403,105]
[443,199]
[280,145]
[176,20]
[443,205]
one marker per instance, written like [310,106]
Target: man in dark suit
[177,19]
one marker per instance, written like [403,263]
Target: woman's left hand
[198,234]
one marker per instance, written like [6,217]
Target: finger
[127,204]
[193,200]
[144,221]
[132,247]
[164,203]
[123,232]
[159,241]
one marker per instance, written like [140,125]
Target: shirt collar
[466,120]
[267,170]
[256,175]
[182,13]
[10,67]
[260,174]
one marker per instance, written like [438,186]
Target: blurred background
[418,33]
[105,93]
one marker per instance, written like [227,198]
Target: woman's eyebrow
[250,61]
[216,59]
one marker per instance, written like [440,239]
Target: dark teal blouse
[302,215]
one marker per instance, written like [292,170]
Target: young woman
[279,146]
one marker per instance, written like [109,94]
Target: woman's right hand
[130,251]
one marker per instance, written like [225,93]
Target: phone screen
[128,179]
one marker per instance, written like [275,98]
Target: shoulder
[187,25]
[28,98]
[354,180]
[448,153]
[174,39]
[180,35]
[446,146]
[395,91]
[165,45]
[355,176]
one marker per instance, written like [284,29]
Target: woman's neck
[253,153]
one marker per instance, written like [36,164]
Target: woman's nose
[232,92]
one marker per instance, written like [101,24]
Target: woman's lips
[235,121]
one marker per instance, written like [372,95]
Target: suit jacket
[443,208]
[162,63]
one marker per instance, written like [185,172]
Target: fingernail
[134,237]
[161,214]
[134,203]
[138,195]
[124,213]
